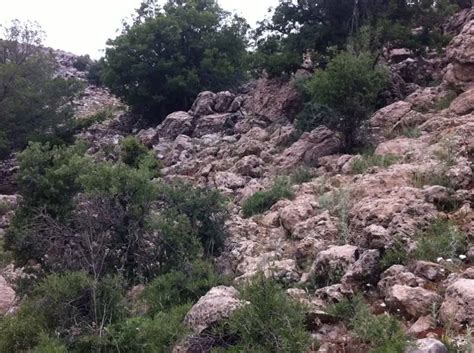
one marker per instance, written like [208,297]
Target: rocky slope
[342,222]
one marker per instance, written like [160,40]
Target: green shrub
[446,101]
[135,154]
[314,115]
[366,161]
[49,345]
[4,145]
[411,132]
[441,239]
[201,48]
[383,332]
[301,175]
[179,287]
[349,86]
[205,209]
[396,254]
[82,63]
[149,335]
[337,202]
[34,102]
[178,242]
[437,176]
[48,176]
[19,333]
[272,322]
[262,201]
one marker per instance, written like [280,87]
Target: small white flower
[449,260]
[383,305]
[398,310]
[368,285]
[463,257]
[439,259]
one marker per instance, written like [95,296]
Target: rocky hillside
[350,223]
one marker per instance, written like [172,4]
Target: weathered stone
[222,101]
[7,296]
[463,104]
[149,137]
[458,305]
[310,147]
[204,104]
[428,345]
[414,301]
[218,304]
[175,124]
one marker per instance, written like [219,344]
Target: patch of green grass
[337,202]
[438,176]
[445,102]
[382,332]
[301,175]
[271,322]
[366,161]
[411,132]
[262,201]
[397,254]
[441,239]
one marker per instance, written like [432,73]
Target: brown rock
[414,301]
[458,305]
[218,304]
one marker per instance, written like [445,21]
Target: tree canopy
[33,102]
[169,54]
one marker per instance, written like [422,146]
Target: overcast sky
[83,26]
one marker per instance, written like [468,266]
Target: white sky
[83,26]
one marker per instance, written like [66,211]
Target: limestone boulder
[413,301]
[458,305]
[217,305]
[175,124]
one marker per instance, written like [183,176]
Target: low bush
[68,305]
[382,332]
[181,286]
[314,115]
[441,239]
[148,335]
[337,202]
[396,254]
[205,209]
[272,322]
[350,87]
[301,175]
[262,201]
[136,155]
[366,161]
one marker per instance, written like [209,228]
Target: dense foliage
[344,94]
[168,55]
[33,102]
[318,26]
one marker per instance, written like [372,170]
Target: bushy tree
[168,55]
[316,26]
[33,102]
[349,87]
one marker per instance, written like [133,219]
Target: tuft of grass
[396,255]
[445,102]
[441,239]
[262,201]
[382,332]
[366,161]
[411,132]
[437,177]
[337,202]
[271,322]
[301,175]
